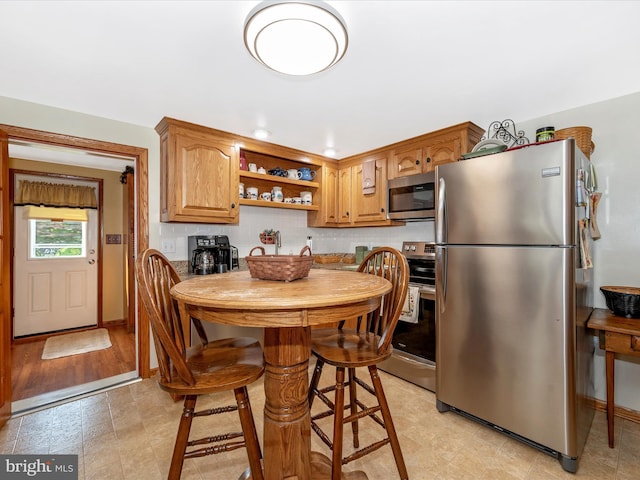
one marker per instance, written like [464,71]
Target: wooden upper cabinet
[326,198]
[344,195]
[329,194]
[369,207]
[407,161]
[359,209]
[441,150]
[424,153]
[198,174]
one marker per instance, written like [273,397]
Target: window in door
[64,236]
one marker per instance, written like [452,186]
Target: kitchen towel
[369,177]
[593,210]
[411,307]
[585,253]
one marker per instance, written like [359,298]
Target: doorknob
[92,251]
[91,261]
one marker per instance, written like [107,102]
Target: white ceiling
[411,66]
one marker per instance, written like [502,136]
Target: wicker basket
[582,136]
[279,267]
[623,301]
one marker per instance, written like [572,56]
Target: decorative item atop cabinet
[424,153]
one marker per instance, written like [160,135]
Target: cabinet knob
[382,210]
[428,159]
[418,161]
[233,205]
[347,214]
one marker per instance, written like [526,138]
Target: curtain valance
[55,195]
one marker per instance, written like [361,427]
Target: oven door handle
[428,295]
[407,359]
[422,269]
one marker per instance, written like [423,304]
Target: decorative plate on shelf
[490,143]
[482,153]
[486,147]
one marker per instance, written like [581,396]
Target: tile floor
[128,433]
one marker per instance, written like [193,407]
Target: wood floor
[31,376]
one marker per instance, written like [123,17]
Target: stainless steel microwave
[412,198]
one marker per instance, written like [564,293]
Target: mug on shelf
[266,196]
[297,200]
[306,197]
[262,170]
[288,200]
[253,168]
[252,193]
[293,174]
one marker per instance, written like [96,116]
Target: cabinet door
[441,150]
[369,207]
[344,195]
[330,198]
[202,180]
[406,161]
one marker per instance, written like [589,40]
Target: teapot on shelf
[278,171]
[306,173]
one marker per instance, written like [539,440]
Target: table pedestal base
[287,419]
[321,469]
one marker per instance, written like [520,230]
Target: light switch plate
[114,239]
[168,246]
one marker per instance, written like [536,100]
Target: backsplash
[292,225]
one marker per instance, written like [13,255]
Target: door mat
[75,343]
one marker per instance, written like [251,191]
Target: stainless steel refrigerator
[514,293]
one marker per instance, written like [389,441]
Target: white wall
[292,225]
[616,157]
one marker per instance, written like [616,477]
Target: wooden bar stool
[365,346]
[216,366]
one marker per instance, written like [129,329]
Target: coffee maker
[211,254]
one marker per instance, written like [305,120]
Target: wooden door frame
[140,155]
[5,284]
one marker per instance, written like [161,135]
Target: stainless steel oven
[414,341]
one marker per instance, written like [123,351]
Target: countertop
[182,267]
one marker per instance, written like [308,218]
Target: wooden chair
[365,346]
[226,364]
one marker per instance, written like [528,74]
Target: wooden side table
[617,335]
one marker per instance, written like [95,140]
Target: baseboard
[114,323]
[621,412]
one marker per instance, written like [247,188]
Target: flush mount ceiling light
[295,37]
[261,133]
[330,152]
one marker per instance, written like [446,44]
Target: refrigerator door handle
[441,213]
[441,274]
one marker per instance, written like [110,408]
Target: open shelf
[291,206]
[277,180]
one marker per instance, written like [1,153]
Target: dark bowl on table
[622,301]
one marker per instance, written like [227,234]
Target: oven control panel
[419,249]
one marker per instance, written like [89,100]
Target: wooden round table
[286,311]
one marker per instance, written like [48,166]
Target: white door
[54,292]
